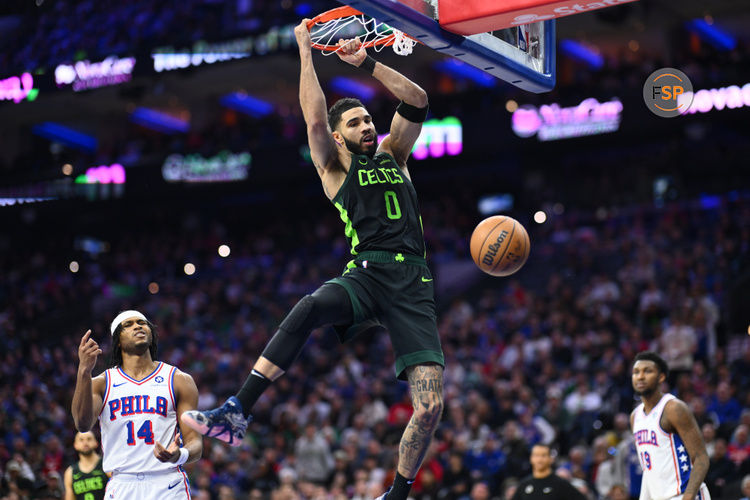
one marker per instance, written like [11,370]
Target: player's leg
[329,304]
[426,388]
[411,322]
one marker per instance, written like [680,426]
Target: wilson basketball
[500,245]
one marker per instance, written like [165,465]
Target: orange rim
[330,15]
[338,13]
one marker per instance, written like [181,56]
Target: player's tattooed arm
[681,420]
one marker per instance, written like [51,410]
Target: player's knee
[302,316]
[428,415]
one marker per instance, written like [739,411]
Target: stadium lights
[74,267]
[710,33]
[224,251]
[459,69]
[65,135]
[540,217]
[582,53]
[352,87]
[159,121]
[240,101]
[189,269]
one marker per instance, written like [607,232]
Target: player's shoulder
[675,405]
[184,379]
[383,153]
[525,481]
[634,413]
[99,383]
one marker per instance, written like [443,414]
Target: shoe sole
[204,429]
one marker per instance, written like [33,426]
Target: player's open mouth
[368,140]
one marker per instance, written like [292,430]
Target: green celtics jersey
[378,204]
[89,485]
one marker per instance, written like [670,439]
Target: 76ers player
[138,402]
[670,446]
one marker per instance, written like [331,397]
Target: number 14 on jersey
[145,432]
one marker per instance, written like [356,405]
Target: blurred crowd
[42,34]
[542,357]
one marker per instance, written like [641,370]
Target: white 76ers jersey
[135,414]
[664,458]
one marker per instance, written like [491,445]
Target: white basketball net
[370,32]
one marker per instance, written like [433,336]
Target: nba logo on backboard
[523,38]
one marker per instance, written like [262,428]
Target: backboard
[522,55]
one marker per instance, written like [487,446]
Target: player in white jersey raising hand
[670,446]
[138,402]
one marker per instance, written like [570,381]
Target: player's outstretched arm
[313,102]
[87,398]
[407,122]
[683,422]
[192,442]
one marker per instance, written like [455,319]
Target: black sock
[254,386]
[401,488]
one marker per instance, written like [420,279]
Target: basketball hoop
[347,22]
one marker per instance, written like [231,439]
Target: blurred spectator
[726,408]
[508,488]
[739,447]
[745,485]
[543,483]
[314,461]
[480,491]
[52,488]
[14,483]
[678,344]
[721,470]
[617,492]
[583,404]
[456,478]
[709,437]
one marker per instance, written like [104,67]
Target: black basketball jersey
[89,485]
[378,204]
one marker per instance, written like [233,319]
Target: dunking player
[85,479]
[388,281]
[137,401]
[670,446]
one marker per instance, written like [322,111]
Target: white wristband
[184,454]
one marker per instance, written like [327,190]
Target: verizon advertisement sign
[469,17]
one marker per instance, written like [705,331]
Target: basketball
[500,245]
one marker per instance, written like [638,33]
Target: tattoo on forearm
[426,387]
